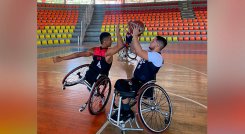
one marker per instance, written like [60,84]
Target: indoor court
[183,75]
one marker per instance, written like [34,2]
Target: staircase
[77,31]
[93,31]
[186,10]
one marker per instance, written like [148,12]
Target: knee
[121,85]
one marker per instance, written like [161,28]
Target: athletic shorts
[127,85]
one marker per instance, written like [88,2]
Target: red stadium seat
[202,28]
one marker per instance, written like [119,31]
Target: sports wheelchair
[99,91]
[127,52]
[153,109]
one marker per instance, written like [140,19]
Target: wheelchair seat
[122,86]
[130,94]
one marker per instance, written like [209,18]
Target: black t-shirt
[99,63]
[146,71]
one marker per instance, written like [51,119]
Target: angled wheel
[154,108]
[130,54]
[122,53]
[99,95]
[75,75]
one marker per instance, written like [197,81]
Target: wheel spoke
[146,109]
[155,112]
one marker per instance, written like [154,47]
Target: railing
[87,16]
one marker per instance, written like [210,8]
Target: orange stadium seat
[186,33]
[186,38]
[170,33]
[204,38]
[198,38]
[192,38]
[180,38]
[192,33]
[203,33]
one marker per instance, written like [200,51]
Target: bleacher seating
[56,23]
[159,20]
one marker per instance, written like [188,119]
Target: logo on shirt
[141,62]
[98,65]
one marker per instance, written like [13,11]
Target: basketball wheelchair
[99,91]
[127,52]
[153,109]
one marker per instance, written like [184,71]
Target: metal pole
[81,37]
[78,41]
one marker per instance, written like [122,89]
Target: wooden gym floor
[183,76]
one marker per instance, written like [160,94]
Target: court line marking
[68,72]
[185,98]
[107,122]
[187,68]
[103,127]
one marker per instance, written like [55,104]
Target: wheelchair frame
[91,89]
[121,124]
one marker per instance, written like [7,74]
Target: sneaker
[124,115]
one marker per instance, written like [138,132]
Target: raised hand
[136,30]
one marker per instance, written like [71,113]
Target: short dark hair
[162,41]
[104,35]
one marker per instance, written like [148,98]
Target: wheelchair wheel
[99,95]
[122,53]
[130,54]
[154,108]
[75,75]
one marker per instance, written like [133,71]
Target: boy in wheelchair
[102,56]
[145,71]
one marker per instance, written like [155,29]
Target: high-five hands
[136,30]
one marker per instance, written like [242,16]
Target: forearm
[75,55]
[69,57]
[119,45]
[119,40]
[136,44]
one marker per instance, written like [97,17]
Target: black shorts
[91,76]
[127,85]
